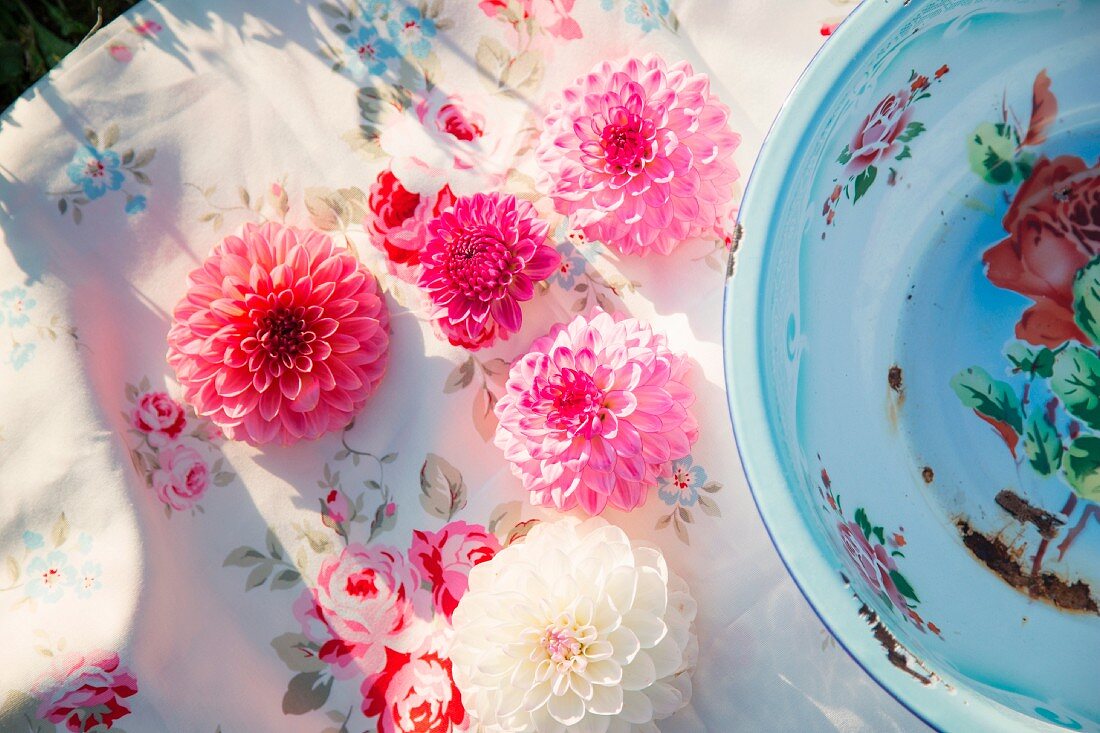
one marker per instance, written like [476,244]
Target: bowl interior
[920,362]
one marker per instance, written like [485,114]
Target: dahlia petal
[637,708]
[290,384]
[506,312]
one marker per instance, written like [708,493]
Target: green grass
[36,34]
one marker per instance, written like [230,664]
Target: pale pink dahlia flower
[594,413]
[640,156]
[281,336]
[484,255]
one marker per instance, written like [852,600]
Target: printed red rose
[414,694]
[182,478]
[452,117]
[1053,228]
[160,417]
[444,559]
[398,221]
[86,692]
[877,136]
[862,554]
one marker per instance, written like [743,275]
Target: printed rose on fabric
[365,600]
[1053,228]
[444,559]
[445,140]
[640,156]
[160,417]
[87,692]
[398,222]
[282,335]
[594,413]
[95,171]
[553,15]
[182,478]
[484,256]
[877,137]
[414,693]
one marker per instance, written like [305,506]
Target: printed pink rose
[861,552]
[1053,228]
[452,117]
[398,222]
[552,14]
[86,692]
[160,417]
[336,504]
[365,599]
[182,478]
[414,694]
[877,136]
[444,559]
[148,28]
[121,52]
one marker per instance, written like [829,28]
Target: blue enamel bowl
[913,353]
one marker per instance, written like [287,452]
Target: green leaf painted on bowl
[1082,466]
[1086,300]
[1042,444]
[1076,380]
[1039,362]
[988,396]
[992,152]
[864,181]
[903,586]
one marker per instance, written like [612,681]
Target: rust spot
[894,379]
[1022,511]
[1046,586]
[897,654]
[928,474]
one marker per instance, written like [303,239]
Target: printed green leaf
[286,579]
[243,557]
[1086,300]
[1039,362]
[442,489]
[988,396]
[903,586]
[306,692]
[905,153]
[845,156]
[878,533]
[992,151]
[911,131]
[1082,466]
[864,181]
[1042,444]
[298,653]
[1076,380]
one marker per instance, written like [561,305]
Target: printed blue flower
[646,14]
[21,354]
[607,4]
[32,540]
[14,304]
[97,172]
[411,31]
[47,577]
[367,53]
[87,582]
[682,487]
[135,205]
[572,265]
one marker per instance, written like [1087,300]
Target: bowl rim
[754,433]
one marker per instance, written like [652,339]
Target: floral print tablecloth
[157,577]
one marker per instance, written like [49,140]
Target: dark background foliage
[36,34]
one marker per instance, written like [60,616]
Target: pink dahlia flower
[595,412]
[483,258]
[640,155]
[281,336]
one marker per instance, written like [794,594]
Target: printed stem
[1091,511]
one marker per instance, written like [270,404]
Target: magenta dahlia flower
[281,336]
[484,255]
[595,412]
[640,156]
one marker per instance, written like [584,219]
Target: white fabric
[236,95]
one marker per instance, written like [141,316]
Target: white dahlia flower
[576,628]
